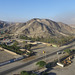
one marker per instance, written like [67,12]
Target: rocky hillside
[3,24]
[41,28]
[72,25]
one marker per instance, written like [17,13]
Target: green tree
[48,65]
[24,73]
[67,51]
[15,43]
[41,63]
[44,73]
[28,47]
[33,74]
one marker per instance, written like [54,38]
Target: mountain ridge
[41,28]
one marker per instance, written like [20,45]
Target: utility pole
[45,55]
[58,57]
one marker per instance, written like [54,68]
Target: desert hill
[43,28]
[39,28]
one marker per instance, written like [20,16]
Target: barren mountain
[72,25]
[42,28]
[3,24]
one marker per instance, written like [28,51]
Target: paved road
[32,61]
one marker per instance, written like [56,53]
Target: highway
[33,61]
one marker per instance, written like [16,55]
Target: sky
[23,10]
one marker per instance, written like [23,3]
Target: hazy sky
[23,10]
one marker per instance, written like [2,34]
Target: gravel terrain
[68,70]
[4,56]
[32,66]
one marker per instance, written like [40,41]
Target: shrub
[67,51]
[41,63]
[44,73]
[24,73]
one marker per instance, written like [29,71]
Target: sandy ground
[68,70]
[39,52]
[4,56]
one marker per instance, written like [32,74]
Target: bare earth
[69,70]
[4,56]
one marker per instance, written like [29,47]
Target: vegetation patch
[12,48]
[59,41]
[27,73]
[41,63]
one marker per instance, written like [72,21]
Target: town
[18,52]
[37,37]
